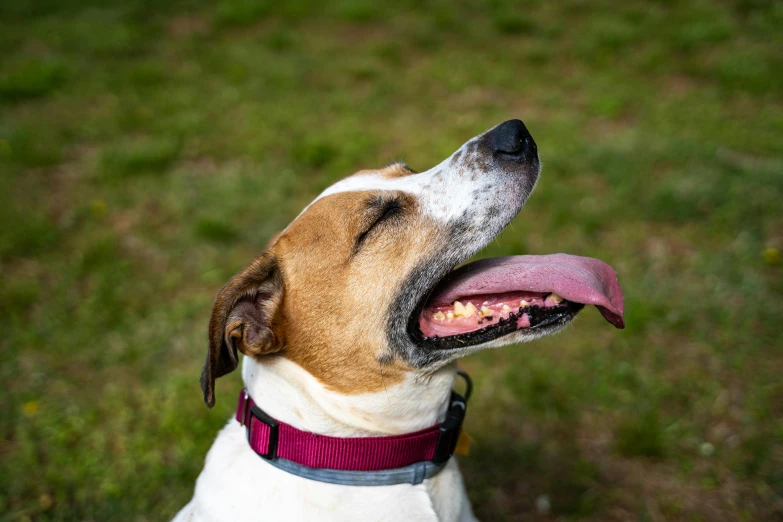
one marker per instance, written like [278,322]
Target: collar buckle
[248,410]
[452,425]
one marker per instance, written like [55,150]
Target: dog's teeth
[553,297]
[470,309]
[485,311]
[439,316]
[459,309]
[506,308]
[523,303]
[449,315]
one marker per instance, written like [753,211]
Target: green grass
[149,150]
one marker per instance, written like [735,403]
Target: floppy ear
[245,317]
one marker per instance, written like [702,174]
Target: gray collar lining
[413,474]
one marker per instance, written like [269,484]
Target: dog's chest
[237,485]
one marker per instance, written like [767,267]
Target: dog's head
[361,283]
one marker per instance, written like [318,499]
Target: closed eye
[387,210]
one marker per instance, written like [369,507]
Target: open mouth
[491,298]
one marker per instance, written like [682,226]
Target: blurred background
[148,150]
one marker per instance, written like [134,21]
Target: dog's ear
[245,317]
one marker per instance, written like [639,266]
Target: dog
[351,323]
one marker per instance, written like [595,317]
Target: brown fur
[396,170]
[322,300]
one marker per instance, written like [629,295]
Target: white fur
[238,485]
[439,197]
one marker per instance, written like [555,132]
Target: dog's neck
[290,394]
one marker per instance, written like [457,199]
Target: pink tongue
[578,279]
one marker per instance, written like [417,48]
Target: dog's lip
[581,280]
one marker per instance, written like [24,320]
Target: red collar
[273,439]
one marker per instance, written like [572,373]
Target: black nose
[512,140]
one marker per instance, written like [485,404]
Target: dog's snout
[512,140]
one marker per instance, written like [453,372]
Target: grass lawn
[149,150]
